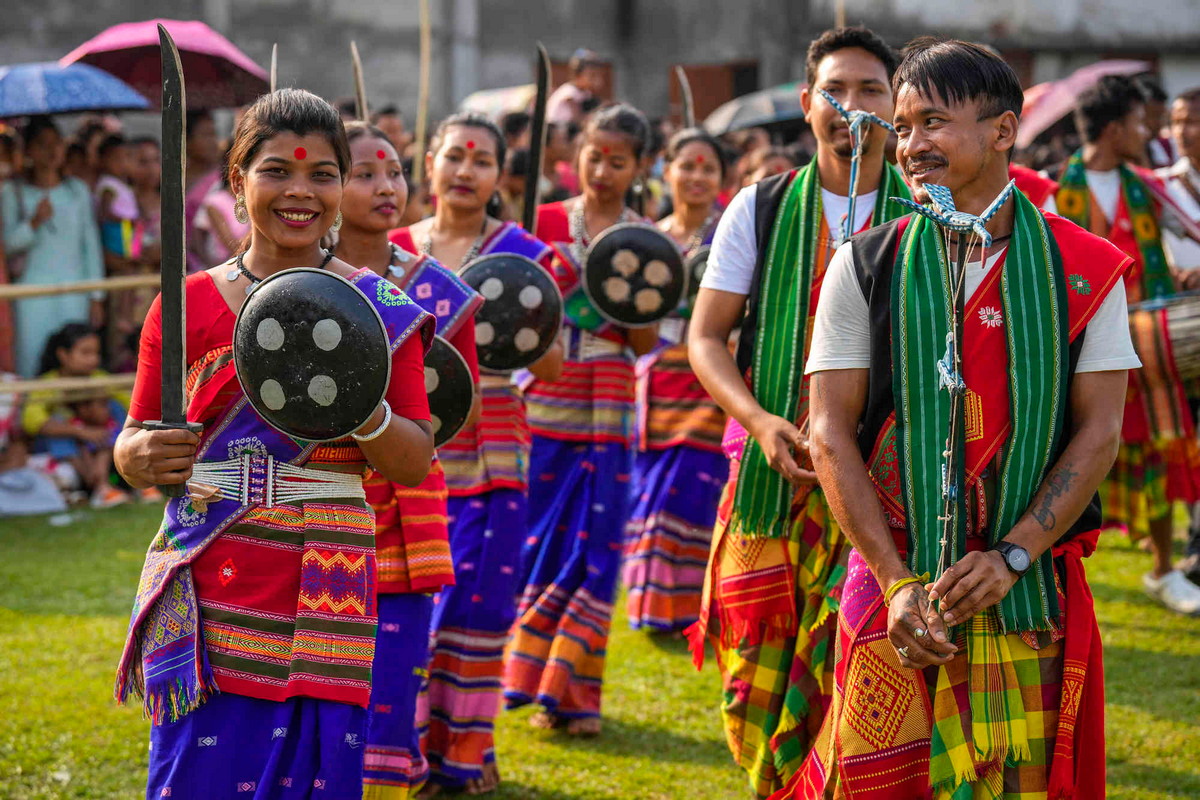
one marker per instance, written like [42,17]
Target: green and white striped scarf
[1033,292]
[763,497]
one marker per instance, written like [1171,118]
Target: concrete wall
[1058,25]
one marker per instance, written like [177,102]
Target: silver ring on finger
[903,651]
[919,632]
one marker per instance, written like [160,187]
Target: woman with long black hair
[486,468]
[580,462]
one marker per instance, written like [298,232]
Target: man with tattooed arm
[969,659]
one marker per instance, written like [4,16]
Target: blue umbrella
[47,88]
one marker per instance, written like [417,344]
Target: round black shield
[521,314]
[633,274]
[450,389]
[694,265]
[312,354]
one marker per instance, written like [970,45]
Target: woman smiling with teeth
[231,714]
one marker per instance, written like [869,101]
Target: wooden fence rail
[94,386]
[18,291]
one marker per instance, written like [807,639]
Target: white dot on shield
[272,395]
[323,390]
[327,334]
[269,334]
[530,297]
[492,288]
[526,339]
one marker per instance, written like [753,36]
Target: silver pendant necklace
[427,245]
[398,259]
[697,238]
[580,241]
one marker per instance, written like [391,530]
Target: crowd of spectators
[85,205]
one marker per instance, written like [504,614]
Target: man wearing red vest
[1159,460]
[968,654]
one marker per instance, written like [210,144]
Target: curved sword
[173,409]
[426,28]
[942,211]
[274,66]
[685,89]
[537,142]
[360,87]
[856,121]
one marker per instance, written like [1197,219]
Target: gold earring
[337,223]
[239,210]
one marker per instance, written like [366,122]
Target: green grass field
[64,601]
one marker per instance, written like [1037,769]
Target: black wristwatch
[1016,558]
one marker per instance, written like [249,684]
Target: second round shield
[521,314]
[633,274]
[312,354]
[449,388]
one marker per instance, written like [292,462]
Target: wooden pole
[100,384]
[418,168]
[17,291]
[840,14]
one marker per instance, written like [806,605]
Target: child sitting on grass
[77,431]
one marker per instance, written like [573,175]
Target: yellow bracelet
[897,586]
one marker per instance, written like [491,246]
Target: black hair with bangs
[836,39]
[1113,98]
[960,72]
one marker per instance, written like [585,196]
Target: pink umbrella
[1047,103]
[218,75]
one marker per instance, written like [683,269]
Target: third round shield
[521,314]
[449,388]
[633,274]
[312,354]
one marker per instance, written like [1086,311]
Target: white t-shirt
[842,332]
[1183,252]
[735,249]
[1106,188]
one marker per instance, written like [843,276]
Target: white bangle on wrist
[383,426]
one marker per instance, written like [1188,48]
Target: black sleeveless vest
[874,254]
[768,196]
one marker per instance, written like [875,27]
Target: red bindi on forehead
[699,159]
[380,155]
[606,150]
[471,145]
[300,153]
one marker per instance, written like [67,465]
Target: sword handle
[173,489]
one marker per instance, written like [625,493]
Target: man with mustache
[1159,460]
[777,557]
[983,679]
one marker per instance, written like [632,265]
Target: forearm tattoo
[1055,487]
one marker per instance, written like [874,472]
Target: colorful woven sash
[763,496]
[1074,201]
[440,292]
[1033,295]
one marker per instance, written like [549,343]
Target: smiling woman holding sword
[254,625]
